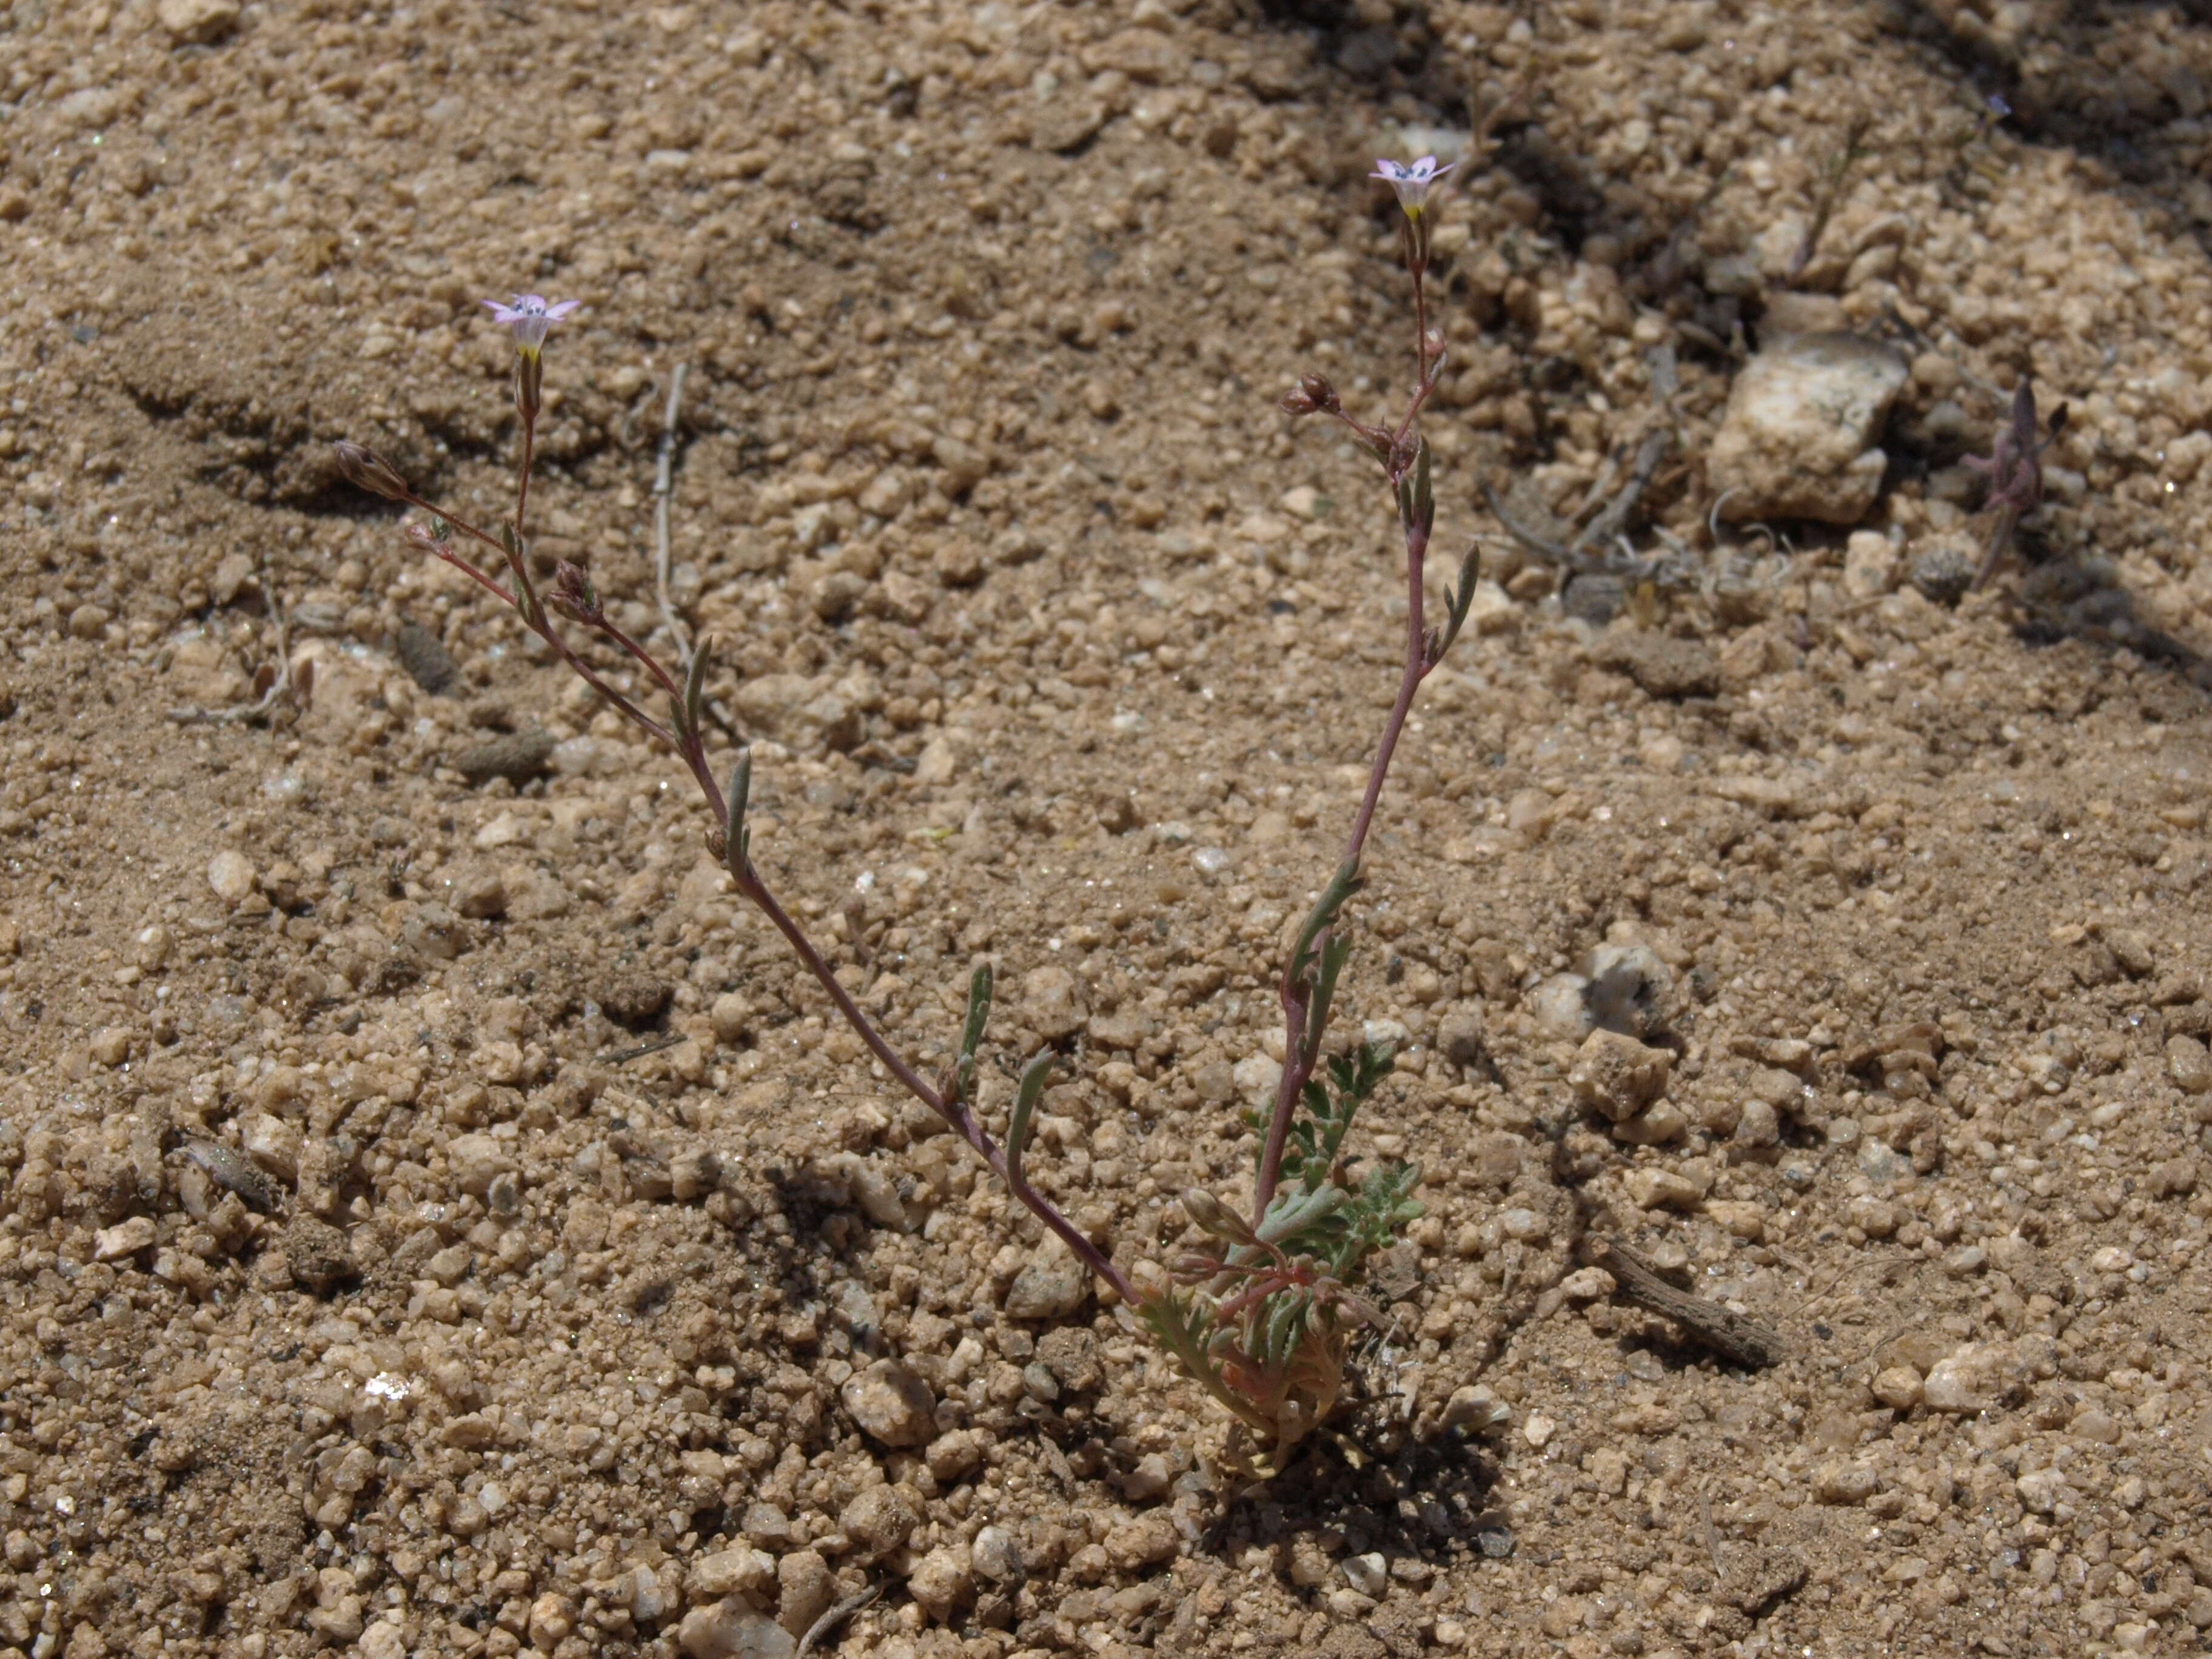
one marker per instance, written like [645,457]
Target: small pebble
[1617,1075]
[1896,1387]
[1799,437]
[230,875]
[2189,1064]
[891,1404]
[1945,572]
[519,756]
[1846,1484]
[1654,1189]
[424,656]
[995,1555]
[1369,1574]
[1475,1407]
[941,1582]
[633,998]
[1661,665]
[729,1629]
[123,1240]
[805,1586]
[1870,563]
[1559,1008]
[1759,1125]
[879,1520]
[1963,1383]
[1144,1540]
[318,1255]
[1051,1286]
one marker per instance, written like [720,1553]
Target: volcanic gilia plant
[1263,1318]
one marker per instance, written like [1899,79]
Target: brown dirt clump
[437,1220]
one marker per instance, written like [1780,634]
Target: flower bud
[573,594]
[1311,396]
[1212,1215]
[371,471]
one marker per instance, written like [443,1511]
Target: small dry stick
[1543,548]
[1727,1332]
[623,1056]
[1613,518]
[835,1616]
[282,687]
[664,483]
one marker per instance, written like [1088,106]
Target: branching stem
[1301,1045]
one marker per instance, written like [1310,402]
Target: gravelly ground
[483,1331]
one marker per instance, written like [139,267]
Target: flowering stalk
[1308,979]
[573,598]
[1264,1317]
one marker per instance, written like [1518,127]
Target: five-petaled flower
[1410,180]
[530,316]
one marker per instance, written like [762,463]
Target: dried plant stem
[833,1617]
[664,485]
[1729,1333]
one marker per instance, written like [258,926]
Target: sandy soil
[437,1221]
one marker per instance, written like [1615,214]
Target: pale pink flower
[530,316]
[1410,180]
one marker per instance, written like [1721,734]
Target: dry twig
[664,486]
[834,1617]
[1727,1332]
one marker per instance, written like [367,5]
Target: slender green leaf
[1334,952]
[737,838]
[979,1014]
[1459,598]
[1417,503]
[1025,1102]
[1322,917]
[695,688]
[1291,1212]
[1285,1324]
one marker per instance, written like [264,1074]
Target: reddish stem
[1301,1049]
[1416,670]
[957,1113]
[522,473]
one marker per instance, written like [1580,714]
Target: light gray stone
[1051,1286]
[891,1404]
[1801,436]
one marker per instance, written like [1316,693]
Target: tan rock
[123,1240]
[1663,1189]
[1142,1542]
[1051,1286]
[891,1404]
[1896,1387]
[1800,439]
[737,1571]
[197,23]
[941,1582]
